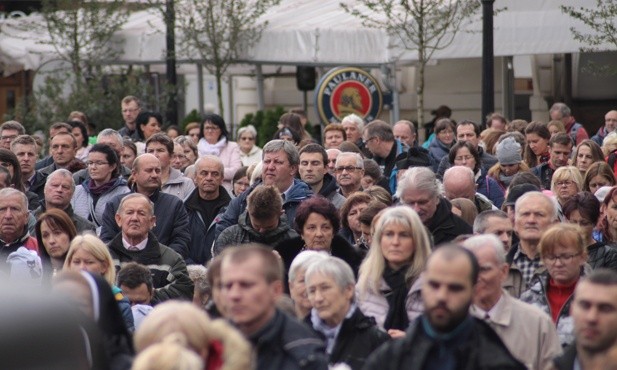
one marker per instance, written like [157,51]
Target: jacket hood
[245,223]
[299,191]
[329,185]
[175,177]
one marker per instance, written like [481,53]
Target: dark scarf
[397,312]
[97,191]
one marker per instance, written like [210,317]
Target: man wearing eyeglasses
[560,148]
[349,171]
[9,130]
[131,107]
[379,140]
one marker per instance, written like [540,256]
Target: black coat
[340,248]
[287,344]
[602,256]
[483,350]
[356,340]
[566,360]
[445,226]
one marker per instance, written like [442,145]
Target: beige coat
[527,331]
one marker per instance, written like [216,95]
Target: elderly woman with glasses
[350,336]
[249,152]
[563,253]
[566,182]
[583,209]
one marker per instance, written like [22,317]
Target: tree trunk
[420,90]
[219,91]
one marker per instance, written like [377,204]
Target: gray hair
[479,241]
[335,268]
[211,158]
[409,124]
[9,192]
[62,172]
[198,274]
[13,125]
[110,132]
[355,119]
[536,194]
[303,260]
[563,109]
[358,157]
[135,196]
[419,178]
[290,149]
[380,129]
[248,129]
[481,222]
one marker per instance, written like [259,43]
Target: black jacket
[339,247]
[483,350]
[81,224]
[287,344]
[169,274]
[356,340]
[545,173]
[602,256]
[445,226]
[566,360]
[172,222]
[202,231]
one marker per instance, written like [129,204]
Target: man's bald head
[459,182]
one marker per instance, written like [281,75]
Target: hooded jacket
[299,191]
[437,150]
[329,190]
[170,277]
[244,232]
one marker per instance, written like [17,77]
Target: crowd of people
[480,249]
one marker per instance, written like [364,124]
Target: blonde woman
[214,341]
[566,183]
[389,281]
[89,253]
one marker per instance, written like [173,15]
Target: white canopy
[320,32]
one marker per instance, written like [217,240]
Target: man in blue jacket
[280,165]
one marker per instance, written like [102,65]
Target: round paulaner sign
[347,90]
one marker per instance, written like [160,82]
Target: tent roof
[320,32]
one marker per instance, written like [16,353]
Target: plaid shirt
[526,265]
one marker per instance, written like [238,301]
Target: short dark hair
[128,143]
[134,274]
[13,125]
[472,150]
[373,208]
[144,117]
[59,125]
[163,139]
[10,157]
[84,132]
[264,202]
[444,123]
[601,276]
[355,198]
[320,205]
[217,120]
[214,269]
[451,251]
[110,155]
[476,127]
[586,204]
[525,177]
[379,129]
[315,148]
[561,138]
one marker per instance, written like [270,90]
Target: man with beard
[595,323]
[172,222]
[446,336]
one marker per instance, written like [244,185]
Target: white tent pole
[200,88]
[261,105]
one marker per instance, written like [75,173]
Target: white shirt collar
[141,245]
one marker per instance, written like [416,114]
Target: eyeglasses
[564,258]
[247,138]
[96,164]
[564,183]
[347,168]
[368,140]
[8,137]
[211,128]
[464,158]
